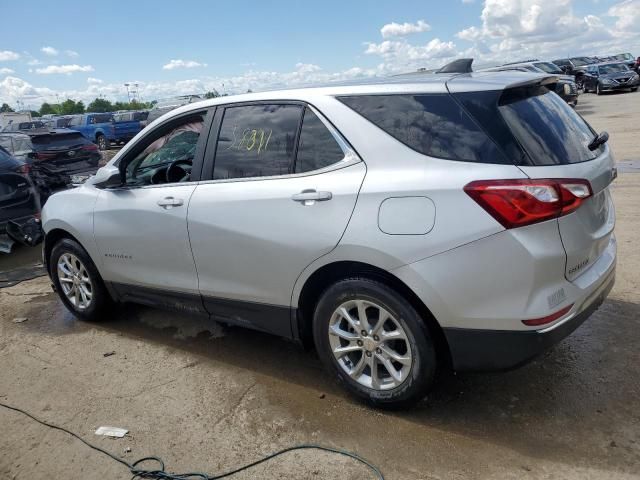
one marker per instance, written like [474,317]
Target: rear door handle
[170,202]
[309,197]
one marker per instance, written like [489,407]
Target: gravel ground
[207,398]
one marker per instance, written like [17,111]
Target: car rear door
[280,195]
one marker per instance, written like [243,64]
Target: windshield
[548,67]
[581,61]
[547,128]
[613,68]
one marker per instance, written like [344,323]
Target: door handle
[309,197]
[170,202]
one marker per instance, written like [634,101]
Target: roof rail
[462,65]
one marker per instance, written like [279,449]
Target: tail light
[516,203]
[44,156]
[90,147]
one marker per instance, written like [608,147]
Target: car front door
[141,228]
[281,192]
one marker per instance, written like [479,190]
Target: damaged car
[19,202]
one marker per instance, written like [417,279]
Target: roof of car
[601,64]
[416,82]
[14,134]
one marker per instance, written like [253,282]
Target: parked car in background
[168,104]
[47,177]
[626,58]
[575,66]
[134,121]
[19,199]
[604,77]
[375,219]
[565,86]
[57,122]
[103,129]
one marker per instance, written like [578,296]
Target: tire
[103,142]
[634,89]
[598,90]
[416,350]
[100,302]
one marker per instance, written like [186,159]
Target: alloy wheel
[75,281]
[370,345]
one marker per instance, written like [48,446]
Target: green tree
[70,107]
[35,113]
[49,109]
[212,94]
[6,108]
[100,105]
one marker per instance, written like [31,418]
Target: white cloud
[52,52]
[33,62]
[628,13]
[6,71]
[173,64]
[71,53]
[468,1]
[394,29]
[94,81]
[6,55]
[68,69]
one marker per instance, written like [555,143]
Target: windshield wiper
[600,139]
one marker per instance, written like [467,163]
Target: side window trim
[197,165]
[350,155]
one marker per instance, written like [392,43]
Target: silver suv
[402,225]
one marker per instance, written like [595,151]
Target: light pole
[128,97]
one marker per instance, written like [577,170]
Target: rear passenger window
[257,141]
[317,147]
[432,124]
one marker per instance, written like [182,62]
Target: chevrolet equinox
[402,224]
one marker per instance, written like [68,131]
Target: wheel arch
[328,274]
[50,239]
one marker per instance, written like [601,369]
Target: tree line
[71,107]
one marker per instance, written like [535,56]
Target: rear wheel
[78,282]
[598,89]
[375,342]
[103,143]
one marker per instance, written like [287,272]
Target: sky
[50,51]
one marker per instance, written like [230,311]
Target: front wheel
[375,342]
[634,89]
[78,282]
[598,89]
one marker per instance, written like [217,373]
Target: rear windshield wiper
[600,139]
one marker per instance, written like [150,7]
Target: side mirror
[108,177]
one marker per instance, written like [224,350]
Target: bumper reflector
[535,322]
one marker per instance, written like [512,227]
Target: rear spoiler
[502,80]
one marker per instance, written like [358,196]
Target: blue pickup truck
[103,129]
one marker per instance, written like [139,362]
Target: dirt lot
[206,398]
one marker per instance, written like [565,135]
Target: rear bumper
[483,350]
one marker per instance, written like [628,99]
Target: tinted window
[613,68]
[104,118]
[317,147]
[257,141]
[548,129]
[434,125]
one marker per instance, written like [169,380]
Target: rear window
[546,127]
[58,140]
[432,124]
